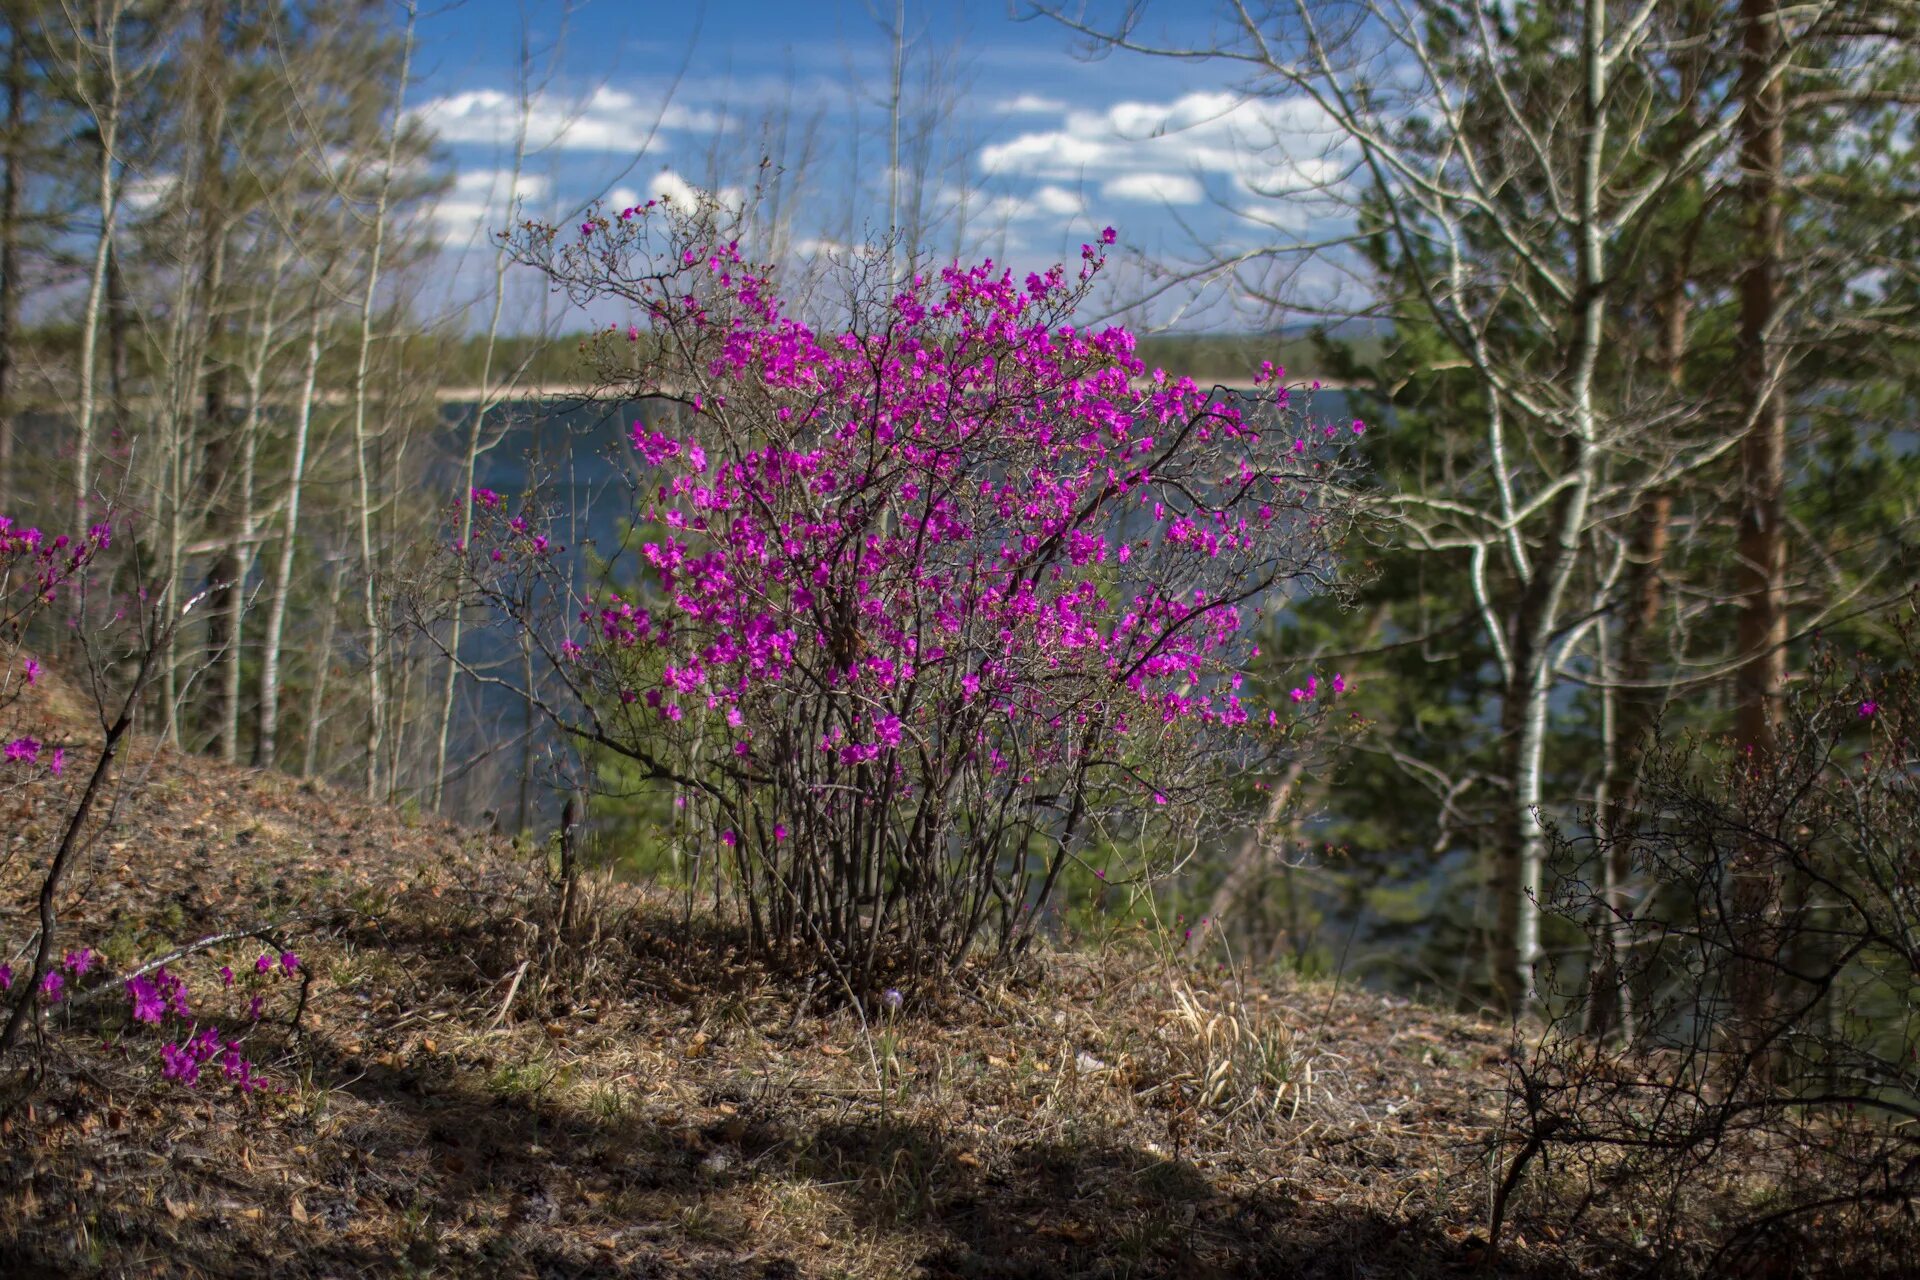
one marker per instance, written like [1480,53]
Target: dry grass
[469,1096]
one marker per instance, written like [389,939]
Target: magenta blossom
[145,1001]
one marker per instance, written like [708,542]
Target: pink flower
[728,839]
[51,986]
[57,762]
[24,748]
[146,1001]
[33,671]
[181,1064]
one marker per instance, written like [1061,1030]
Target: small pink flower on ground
[1868,709]
[51,987]
[180,1065]
[145,1001]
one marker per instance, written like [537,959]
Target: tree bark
[10,290]
[1760,573]
[1521,869]
[218,452]
[369,588]
[267,729]
[107,125]
[1609,1001]
[445,728]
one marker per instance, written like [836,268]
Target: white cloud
[1058,201]
[143,193]
[1029,104]
[675,190]
[1155,188]
[609,120]
[1141,150]
[822,246]
[478,204]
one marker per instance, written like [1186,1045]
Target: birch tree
[376,723]
[1507,199]
[99,82]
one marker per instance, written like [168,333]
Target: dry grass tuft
[1241,1060]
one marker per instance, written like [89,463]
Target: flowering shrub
[934,596]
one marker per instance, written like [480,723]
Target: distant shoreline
[472,395]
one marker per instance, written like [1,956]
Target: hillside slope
[463,1098]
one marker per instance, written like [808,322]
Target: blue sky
[1025,148]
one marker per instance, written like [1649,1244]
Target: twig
[513,989]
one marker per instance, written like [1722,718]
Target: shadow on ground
[430,1163]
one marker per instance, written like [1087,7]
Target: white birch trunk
[268,724]
[106,35]
[369,587]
